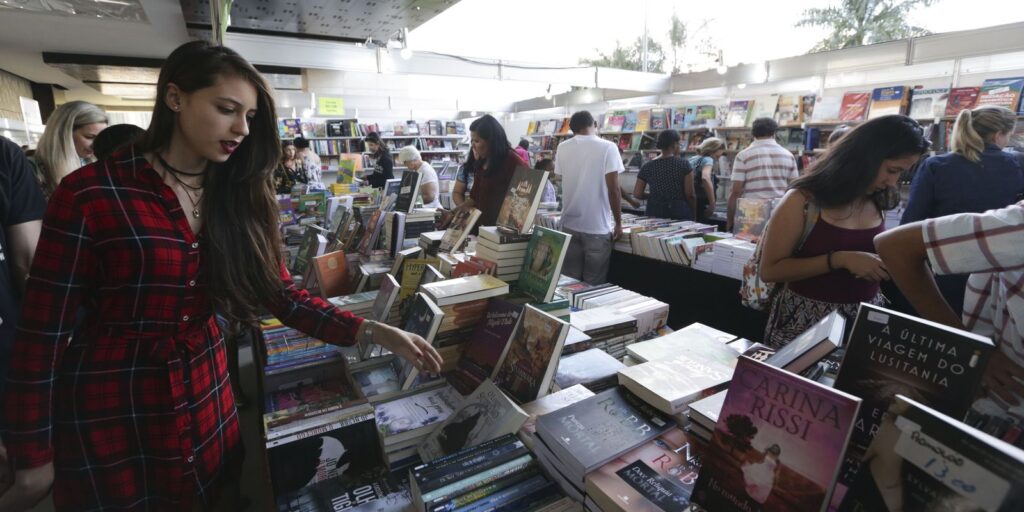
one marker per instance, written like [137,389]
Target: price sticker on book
[953,469]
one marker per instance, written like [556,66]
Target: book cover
[591,432]
[522,199]
[778,444]
[409,191]
[543,264]
[331,496]
[528,363]
[889,353]
[1002,92]
[764,106]
[788,110]
[464,289]
[412,274]
[705,115]
[807,103]
[550,403]
[679,121]
[961,98]
[929,103]
[922,459]
[379,377]
[827,108]
[309,395]
[738,113]
[695,339]
[417,411]
[484,415]
[643,121]
[332,273]
[590,368]
[751,217]
[424,317]
[480,358]
[461,225]
[671,384]
[659,119]
[308,249]
[854,106]
[887,101]
[348,452]
[811,345]
[289,128]
[629,122]
[386,295]
[657,476]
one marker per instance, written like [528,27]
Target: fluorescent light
[722,69]
[406,53]
[741,86]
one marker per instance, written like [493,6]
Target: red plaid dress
[137,411]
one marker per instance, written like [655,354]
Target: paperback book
[519,208]
[854,106]
[891,353]
[886,101]
[547,404]
[408,192]
[961,98]
[480,358]
[929,103]
[484,415]
[657,476]
[460,227]
[542,265]
[922,459]
[527,365]
[779,443]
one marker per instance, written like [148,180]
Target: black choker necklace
[176,171]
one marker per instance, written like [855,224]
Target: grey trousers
[587,257]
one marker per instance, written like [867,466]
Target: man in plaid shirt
[990,247]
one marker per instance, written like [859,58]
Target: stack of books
[547,404]
[606,329]
[290,357]
[506,250]
[576,440]
[330,495]
[730,256]
[418,222]
[650,314]
[464,303]
[671,384]
[359,304]
[497,475]
[430,242]
[406,421]
[594,369]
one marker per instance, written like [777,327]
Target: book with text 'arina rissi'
[891,353]
[778,444]
[527,365]
[484,415]
[922,459]
[588,434]
[658,475]
[542,264]
[480,358]
[522,199]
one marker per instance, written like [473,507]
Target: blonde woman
[66,143]
[704,179]
[974,177]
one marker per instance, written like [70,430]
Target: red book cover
[854,106]
[961,98]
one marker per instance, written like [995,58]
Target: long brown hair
[239,210]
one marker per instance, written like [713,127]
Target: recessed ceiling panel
[122,10]
[353,20]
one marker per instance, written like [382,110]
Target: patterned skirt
[791,314]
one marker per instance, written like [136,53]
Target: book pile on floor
[506,250]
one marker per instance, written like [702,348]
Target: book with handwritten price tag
[922,459]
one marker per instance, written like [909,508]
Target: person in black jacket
[380,160]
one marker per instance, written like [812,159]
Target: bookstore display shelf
[695,296]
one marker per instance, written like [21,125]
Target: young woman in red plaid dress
[135,410]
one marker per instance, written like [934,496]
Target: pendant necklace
[174,173]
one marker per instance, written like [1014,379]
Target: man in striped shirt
[988,247]
[763,170]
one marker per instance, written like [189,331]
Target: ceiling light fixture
[722,69]
[741,86]
[547,95]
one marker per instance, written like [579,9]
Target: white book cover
[484,415]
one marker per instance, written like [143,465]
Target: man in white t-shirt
[410,157]
[589,167]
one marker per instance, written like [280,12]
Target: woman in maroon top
[836,267]
[492,162]
[136,412]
